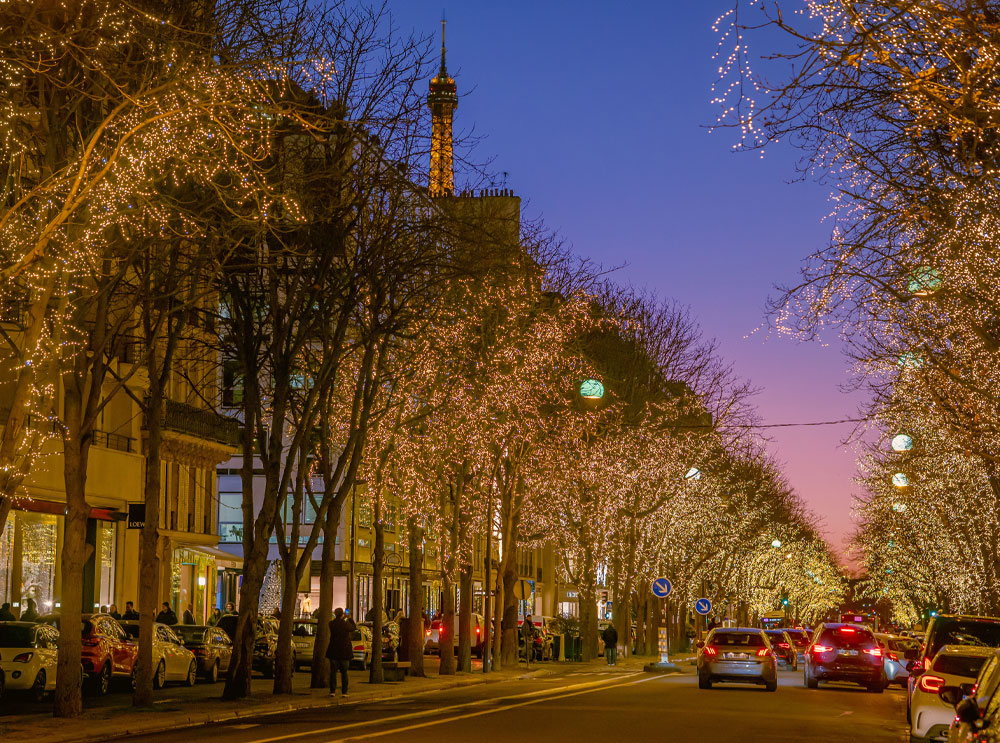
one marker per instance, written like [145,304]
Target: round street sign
[703,606]
[662,588]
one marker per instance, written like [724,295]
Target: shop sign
[136,515]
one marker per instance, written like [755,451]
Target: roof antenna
[444,70]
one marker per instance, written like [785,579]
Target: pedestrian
[340,650]
[130,615]
[230,608]
[31,613]
[113,611]
[103,609]
[188,615]
[610,637]
[216,616]
[528,635]
[6,615]
[166,615]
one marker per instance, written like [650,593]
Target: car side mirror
[700,644]
[967,710]
[912,654]
[951,695]
[911,667]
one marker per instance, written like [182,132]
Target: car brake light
[763,653]
[849,630]
[22,658]
[709,650]
[783,645]
[478,630]
[927,664]
[894,657]
[931,684]
[90,641]
[877,652]
[359,647]
[821,649]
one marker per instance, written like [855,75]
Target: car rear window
[984,633]
[738,638]
[304,629]
[189,633]
[959,665]
[356,635]
[16,637]
[132,630]
[903,645]
[847,637]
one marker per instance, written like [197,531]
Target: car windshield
[984,633]
[304,629]
[16,637]
[356,635]
[847,637]
[776,636]
[959,665]
[738,638]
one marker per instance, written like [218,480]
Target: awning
[219,555]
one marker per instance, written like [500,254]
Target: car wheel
[192,676]
[771,685]
[876,687]
[704,682]
[810,680]
[269,670]
[160,677]
[102,681]
[2,684]
[38,687]
[213,674]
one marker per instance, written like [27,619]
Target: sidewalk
[180,707]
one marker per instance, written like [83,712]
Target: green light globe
[902,442]
[591,389]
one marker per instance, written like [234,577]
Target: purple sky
[597,111]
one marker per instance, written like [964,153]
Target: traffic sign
[703,607]
[662,588]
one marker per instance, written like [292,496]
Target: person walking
[610,637]
[340,650]
[166,615]
[528,635]
[130,615]
[31,613]
[189,615]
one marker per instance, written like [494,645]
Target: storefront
[194,570]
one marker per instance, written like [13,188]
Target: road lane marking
[442,710]
[480,713]
[245,726]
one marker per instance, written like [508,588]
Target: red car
[107,652]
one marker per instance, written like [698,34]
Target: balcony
[200,423]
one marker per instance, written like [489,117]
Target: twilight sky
[597,112]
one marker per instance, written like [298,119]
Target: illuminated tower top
[442,100]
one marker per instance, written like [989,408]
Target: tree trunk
[238,678]
[446,638]
[415,627]
[284,655]
[320,670]
[588,622]
[465,638]
[375,675]
[508,648]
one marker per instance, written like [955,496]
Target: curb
[121,728]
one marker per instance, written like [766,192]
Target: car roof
[18,623]
[977,650]
[737,629]
[965,617]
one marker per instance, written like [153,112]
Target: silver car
[897,651]
[743,655]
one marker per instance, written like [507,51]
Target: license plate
[847,652]
[737,656]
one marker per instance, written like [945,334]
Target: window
[364,511]
[743,639]
[232,384]
[959,665]
[230,516]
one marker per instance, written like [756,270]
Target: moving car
[897,652]
[784,647]
[844,652]
[976,710]
[953,665]
[211,647]
[171,660]
[28,653]
[742,655]
[802,638]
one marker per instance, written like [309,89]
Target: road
[603,705]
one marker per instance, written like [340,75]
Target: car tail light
[877,652]
[763,653]
[893,657]
[849,630]
[90,641]
[478,630]
[709,650]
[931,684]
[783,645]
[359,647]
[428,633]
[22,658]
[199,650]
[821,649]
[927,664]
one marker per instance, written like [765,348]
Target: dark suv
[845,652]
[784,647]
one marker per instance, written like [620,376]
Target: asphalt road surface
[589,706]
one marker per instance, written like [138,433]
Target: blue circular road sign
[662,588]
[703,606]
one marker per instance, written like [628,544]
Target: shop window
[39,533]
[7,560]
[109,544]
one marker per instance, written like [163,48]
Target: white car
[303,640]
[432,636]
[28,655]
[954,665]
[172,661]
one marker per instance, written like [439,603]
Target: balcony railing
[113,441]
[200,423]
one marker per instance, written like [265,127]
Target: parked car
[361,641]
[544,642]
[303,640]
[784,648]
[976,710]
[211,647]
[28,654]
[742,655]
[265,644]
[171,660]
[432,636]
[953,665]
[844,652]
[106,653]
[390,640]
[897,652]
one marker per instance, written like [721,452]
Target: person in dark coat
[610,637]
[31,613]
[166,615]
[189,615]
[340,651]
[6,615]
[130,615]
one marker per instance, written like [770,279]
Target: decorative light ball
[776,543]
[910,360]
[898,508]
[693,474]
[902,442]
[900,480]
[591,389]
[924,281]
